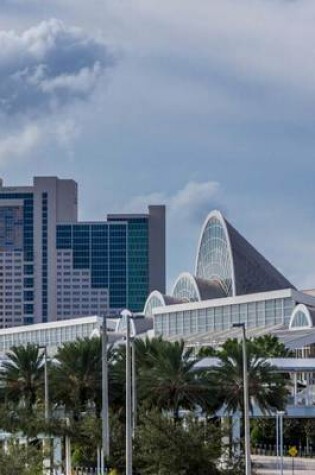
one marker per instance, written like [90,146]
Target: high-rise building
[53,267]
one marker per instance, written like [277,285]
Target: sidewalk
[267,465]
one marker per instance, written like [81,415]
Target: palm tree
[76,376]
[267,388]
[145,350]
[22,375]
[169,382]
[269,346]
[165,377]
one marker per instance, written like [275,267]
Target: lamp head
[238,325]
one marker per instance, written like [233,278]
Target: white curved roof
[214,260]
[189,288]
[138,325]
[186,288]
[157,299]
[227,257]
[302,317]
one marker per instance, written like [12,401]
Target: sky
[199,105]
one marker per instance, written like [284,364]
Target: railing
[84,471]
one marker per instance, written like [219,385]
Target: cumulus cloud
[47,66]
[186,208]
[191,203]
[19,144]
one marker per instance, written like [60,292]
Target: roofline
[237,299]
[279,365]
[57,324]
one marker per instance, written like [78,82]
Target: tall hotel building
[53,267]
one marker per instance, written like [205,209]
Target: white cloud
[19,144]
[187,208]
[191,203]
[49,65]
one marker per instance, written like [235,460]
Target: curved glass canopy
[214,257]
[154,300]
[185,288]
[301,317]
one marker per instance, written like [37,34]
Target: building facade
[233,283]
[53,267]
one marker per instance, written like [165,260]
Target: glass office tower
[53,267]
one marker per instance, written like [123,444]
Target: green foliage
[76,379]
[21,460]
[118,442]
[263,431]
[267,389]
[146,350]
[295,431]
[166,385]
[207,351]
[86,438]
[22,375]
[168,381]
[269,346]
[164,447]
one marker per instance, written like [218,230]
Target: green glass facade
[138,263]
[116,253]
[79,268]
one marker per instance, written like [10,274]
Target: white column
[105,405]
[128,400]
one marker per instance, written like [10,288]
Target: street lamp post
[44,347]
[105,405]
[127,314]
[46,390]
[248,469]
[134,388]
[279,420]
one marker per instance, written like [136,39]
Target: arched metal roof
[186,288]
[227,257]
[189,288]
[138,325]
[209,289]
[157,299]
[214,260]
[302,317]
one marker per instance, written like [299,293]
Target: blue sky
[201,105]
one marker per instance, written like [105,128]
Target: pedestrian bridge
[302,374]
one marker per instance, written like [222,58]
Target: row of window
[253,314]
[49,337]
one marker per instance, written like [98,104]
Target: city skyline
[54,266]
[199,107]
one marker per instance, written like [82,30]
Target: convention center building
[233,283]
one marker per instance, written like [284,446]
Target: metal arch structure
[156,294]
[157,297]
[301,309]
[216,215]
[243,269]
[194,296]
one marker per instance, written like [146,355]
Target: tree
[267,388]
[169,382]
[162,447]
[22,374]
[21,460]
[269,346]
[76,376]
[146,353]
